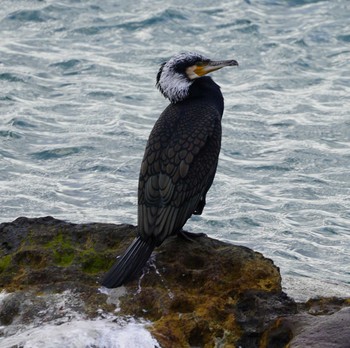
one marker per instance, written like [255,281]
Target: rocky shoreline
[200,293]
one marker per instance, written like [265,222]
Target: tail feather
[130,264]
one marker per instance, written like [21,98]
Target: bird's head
[177,74]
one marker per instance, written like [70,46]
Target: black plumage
[180,159]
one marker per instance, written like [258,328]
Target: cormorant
[180,159]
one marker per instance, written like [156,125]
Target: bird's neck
[205,88]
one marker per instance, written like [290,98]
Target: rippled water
[78,101]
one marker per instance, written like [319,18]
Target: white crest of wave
[84,334]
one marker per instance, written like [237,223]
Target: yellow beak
[204,68]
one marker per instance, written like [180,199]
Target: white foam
[83,334]
[73,329]
[3,295]
[113,295]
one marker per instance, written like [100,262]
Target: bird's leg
[190,236]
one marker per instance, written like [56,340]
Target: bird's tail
[130,264]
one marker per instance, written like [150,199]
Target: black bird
[180,159]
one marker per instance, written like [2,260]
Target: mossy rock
[196,293]
[52,251]
[192,289]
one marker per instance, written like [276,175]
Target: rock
[322,323]
[200,293]
[319,323]
[195,291]
[323,331]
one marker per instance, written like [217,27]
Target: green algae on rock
[43,251]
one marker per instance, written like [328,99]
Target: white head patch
[172,79]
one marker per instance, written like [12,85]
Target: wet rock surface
[199,293]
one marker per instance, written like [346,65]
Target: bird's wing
[177,169]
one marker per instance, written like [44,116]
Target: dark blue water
[77,102]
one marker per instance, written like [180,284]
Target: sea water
[78,100]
